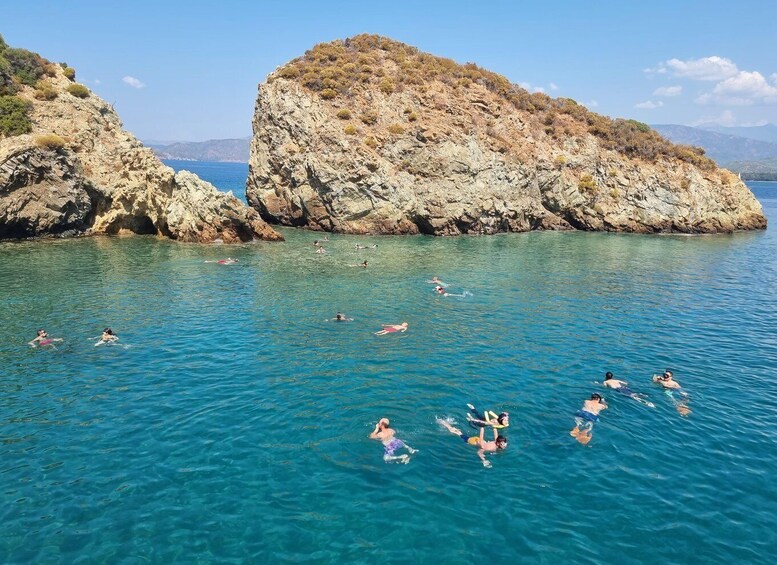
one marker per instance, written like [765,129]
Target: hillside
[368,135]
[721,147]
[766,132]
[68,168]
[220,150]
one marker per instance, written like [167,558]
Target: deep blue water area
[229,424]
[224,176]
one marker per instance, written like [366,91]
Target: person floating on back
[390,443]
[499,443]
[622,387]
[488,418]
[674,391]
[437,282]
[43,339]
[392,328]
[586,417]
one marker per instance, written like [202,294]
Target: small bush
[587,184]
[615,193]
[328,93]
[560,161]
[44,90]
[51,141]
[344,114]
[78,90]
[350,130]
[386,86]
[27,66]
[14,116]
[370,118]
[396,129]
[371,142]
[411,117]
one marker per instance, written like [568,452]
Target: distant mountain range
[225,150]
[751,151]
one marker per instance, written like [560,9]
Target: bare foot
[584,438]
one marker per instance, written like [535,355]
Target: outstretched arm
[482,455]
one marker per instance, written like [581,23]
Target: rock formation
[368,135]
[78,172]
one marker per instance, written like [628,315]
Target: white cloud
[726,118]
[649,105]
[706,68]
[97,81]
[553,86]
[133,82]
[746,85]
[668,91]
[703,98]
[531,88]
[591,104]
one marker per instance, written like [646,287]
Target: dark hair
[108,331]
[607,375]
[596,396]
[501,439]
[501,417]
[41,331]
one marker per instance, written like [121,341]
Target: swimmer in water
[499,443]
[622,388]
[340,317]
[390,442]
[586,417]
[441,290]
[360,246]
[227,261]
[107,337]
[392,328]
[671,386]
[320,250]
[488,418]
[43,339]
[363,265]
[437,281]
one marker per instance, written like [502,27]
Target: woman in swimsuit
[488,418]
[389,328]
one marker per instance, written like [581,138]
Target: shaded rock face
[103,181]
[446,161]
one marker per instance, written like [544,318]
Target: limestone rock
[368,135]
[103,181]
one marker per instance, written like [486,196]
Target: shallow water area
[229,424]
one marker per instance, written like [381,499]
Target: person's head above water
[108,331]
[596,396]
[607,376]
[668,374]
[501,442]
[503,418]
[383,423]
[339,316]
[41,332]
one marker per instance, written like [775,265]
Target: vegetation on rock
[346,68]
[78,90]
[50,141]
[14,116]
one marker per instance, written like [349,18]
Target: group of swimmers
[44,340]
[588,415]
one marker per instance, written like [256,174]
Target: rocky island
[368,135]
[67,168]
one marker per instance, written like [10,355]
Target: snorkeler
[488,418]
[586,417]
[43,339]
[499,443]
[622,387]
[107,337]
[340,317]
[437,281]
[392,328]
[390,443]
[671,386]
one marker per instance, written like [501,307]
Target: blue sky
[189,70]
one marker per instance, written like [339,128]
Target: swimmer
[499,443]
[320,250]
[622,387]
[360,246]
[340,317]
[392,328]
[390,443]
[488,418]
[671,386]
[437,281]
[43,339]
[316,243]
[363,265]
[586,417]
[441,290]
[107,337]
[227,261]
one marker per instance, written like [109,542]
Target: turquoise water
[225,176]
[230,425]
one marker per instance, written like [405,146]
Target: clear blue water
[231,425]
[224,176]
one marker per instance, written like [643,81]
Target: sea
[230,423]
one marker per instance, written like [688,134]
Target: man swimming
[43,339]
[360,246]
[586,417]
[340,317]
[107,337]
[437,281]
[363,265]
[499,443]
[671,386]
[488,418]
[392,328]
[227,261]
[390,442]
[441,290]
[622,387]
